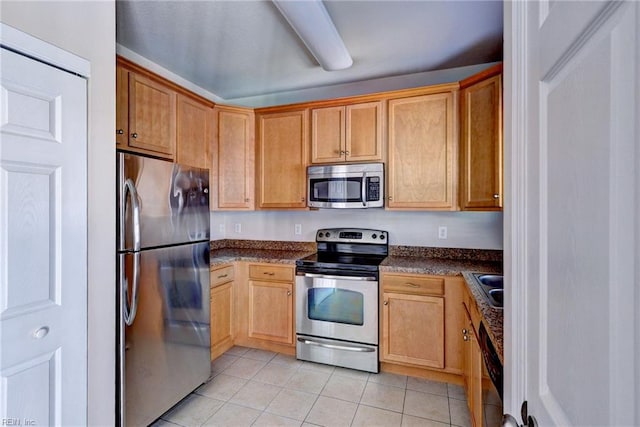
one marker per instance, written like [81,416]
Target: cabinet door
[421,152]
[402,341]
[233,160]
[221,318]
[364,132]
[282,160]
[271,311]
[152,116]
[122,107]
[194,124]
[327,135]
[481,145]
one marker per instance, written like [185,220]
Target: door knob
[41,332]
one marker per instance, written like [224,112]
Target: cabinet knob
[346,152]
[386,303]
[465,331]
[342,152]
[246,200]
[390,198]
[302,199]
[465,338]
[289,293]
[496,196]
[120,131]
[134,135]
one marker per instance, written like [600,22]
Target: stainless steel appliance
[337,298]
[346,186]
[163,285]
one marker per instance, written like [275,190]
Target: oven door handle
[354,348]
[328,276]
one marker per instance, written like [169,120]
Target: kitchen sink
[492,288]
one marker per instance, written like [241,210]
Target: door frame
[42,51]
[516,185]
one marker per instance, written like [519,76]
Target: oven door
[337,307]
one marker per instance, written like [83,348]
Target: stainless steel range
[337,298]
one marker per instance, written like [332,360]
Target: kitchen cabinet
[222,310]
[194,127]
[233,159]
[271,315]
[422,167]
[281,156]
[122,107]
[152,117]
[159,118]
[421,320]
[481,141]
[473,364]
[351,133]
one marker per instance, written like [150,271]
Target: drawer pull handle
[222,276]
[411,285]
[269,273]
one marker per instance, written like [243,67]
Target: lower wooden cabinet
[421,320]
[473,365]
[265,299]
[222,311]
[402,340]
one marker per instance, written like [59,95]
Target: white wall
[472,230]
[87,29]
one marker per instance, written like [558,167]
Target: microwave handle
[364,189]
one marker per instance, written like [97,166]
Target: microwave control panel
[373,188]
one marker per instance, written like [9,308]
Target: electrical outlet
[221,228]
[442,232]
[238,228]
[298,229]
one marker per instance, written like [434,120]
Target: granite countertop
[401,259]
[225,251]
[493,318]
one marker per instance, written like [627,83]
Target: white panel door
[43,244]
[581,222]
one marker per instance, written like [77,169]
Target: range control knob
[328,234]
[321,235]
[382,236]
[373,236]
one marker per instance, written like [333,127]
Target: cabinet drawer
[271,272]
[221,275]
[420,285]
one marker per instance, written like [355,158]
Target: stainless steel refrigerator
[163,341]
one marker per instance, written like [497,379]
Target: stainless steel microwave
[346,186]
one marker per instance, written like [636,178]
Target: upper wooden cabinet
[481,141]
[122,107]
[281,156]
[157,117]
[152,116]
[233,159]
[422,169]
[351,133]
[194,126]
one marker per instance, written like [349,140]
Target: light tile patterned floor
[260,388]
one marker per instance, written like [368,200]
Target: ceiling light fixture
[312,23]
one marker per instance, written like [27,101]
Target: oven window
[336,305]
[336,189]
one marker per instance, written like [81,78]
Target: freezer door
[167,346]
[172,201]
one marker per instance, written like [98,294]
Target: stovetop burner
[348,250]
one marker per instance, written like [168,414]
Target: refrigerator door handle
[131,304]
[130,187]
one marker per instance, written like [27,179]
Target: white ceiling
[245,52]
